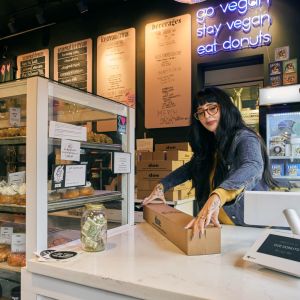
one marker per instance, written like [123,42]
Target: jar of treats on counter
[93,228]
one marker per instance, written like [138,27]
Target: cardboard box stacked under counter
[153,166]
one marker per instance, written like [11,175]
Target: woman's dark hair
[206,144]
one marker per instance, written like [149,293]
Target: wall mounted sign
[73,64]
[116,66]
[168,72]
[233,25]
[282,53]
[32,64]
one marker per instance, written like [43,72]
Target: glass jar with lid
[93,228]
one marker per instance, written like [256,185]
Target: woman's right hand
[156,194]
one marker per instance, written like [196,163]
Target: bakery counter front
[141,263]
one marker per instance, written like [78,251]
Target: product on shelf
[16,259]
[98,138]
[8,195]
[53,195]
[12,132]
[21,197]
[71,193]
[12,193]
[4,252]
[86,190]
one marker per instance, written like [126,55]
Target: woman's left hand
[208,214]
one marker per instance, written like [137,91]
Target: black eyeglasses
[211,110]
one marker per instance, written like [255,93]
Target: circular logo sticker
[62,254]
[46,252]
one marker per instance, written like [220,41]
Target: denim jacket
[245,168]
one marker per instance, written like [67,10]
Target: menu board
[168,73]
[116,66]
[32,64]
[73,64]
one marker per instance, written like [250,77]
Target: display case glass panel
[283,144]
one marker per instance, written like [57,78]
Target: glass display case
[279,119]
[57,154]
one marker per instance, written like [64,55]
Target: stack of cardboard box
[153,166]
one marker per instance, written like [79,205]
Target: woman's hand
[156,194]
[208,214]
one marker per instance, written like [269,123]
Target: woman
[229,158]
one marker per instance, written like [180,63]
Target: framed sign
[121,163]
[73,64]
[34,63]
[168,73]
[282,53]
[116,66]
[66,176]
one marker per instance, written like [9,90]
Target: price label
[18,242]
[14,116]
[5,235]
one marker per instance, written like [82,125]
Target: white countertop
[142,263]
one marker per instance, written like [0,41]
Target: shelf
[287,177]
[98,146]
[284,157]
[19,140]
[5,266]
[13,208]
[99,196]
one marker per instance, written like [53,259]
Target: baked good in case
[71,193]
[86,190]
[52,196]
[4,252]
[16,259]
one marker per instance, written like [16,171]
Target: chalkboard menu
[73,64]
[32,64]
[168,73]
[116,66]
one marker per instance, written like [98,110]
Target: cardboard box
[141,155]
[149,184]
[159,155]
[173,146]
[169,195]
[159,165]
[179,155]
[170,222]
[152,174]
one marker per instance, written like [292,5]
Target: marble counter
[142,263]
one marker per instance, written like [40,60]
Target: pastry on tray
[70,193]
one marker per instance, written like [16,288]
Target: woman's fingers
[190,224]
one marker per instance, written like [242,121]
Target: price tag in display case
[18,242]
[5,235]
[15,116]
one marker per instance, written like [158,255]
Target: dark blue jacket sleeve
[180,175]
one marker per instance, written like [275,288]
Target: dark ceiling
[21,15]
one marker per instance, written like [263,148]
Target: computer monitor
[266,208]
